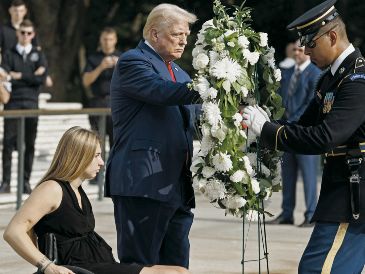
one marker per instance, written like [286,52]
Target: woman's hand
[57,269]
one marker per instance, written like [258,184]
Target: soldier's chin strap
[354,159]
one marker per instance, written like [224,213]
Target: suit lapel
[156,60]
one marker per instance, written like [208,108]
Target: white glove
[255,117]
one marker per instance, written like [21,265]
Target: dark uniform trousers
[334,248]
[10,139]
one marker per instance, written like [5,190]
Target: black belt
[343,150]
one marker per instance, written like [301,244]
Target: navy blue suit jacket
[296,103]
[152,127]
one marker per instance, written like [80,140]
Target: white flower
[214,57]
[208,24]
[237,176]
[201,61]
[244,91]
[205,129]
[231,44]
[195,162]
[255,186]
[271,63]
[212,93]
[208,171]
[206,145]
[263,39]
[226,69]
[215,189]
[277,75]
[243,41]
[224,54]
[219,132]
[252,57]
[202,86]
[243,134]
[199,184]
[201,38]
[197,50]
[219,47]
[237,119]
[228,33]
[222,162]
[252,215]
[212,113]
[248,166]
[235,202]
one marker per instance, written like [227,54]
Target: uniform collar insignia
[341,70]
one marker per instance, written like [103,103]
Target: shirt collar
[303,66]
[148,44]
[20,49]
[336,64]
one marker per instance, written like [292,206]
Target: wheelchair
[49,248]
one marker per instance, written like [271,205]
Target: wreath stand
[263,254]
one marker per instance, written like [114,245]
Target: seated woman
[59,205]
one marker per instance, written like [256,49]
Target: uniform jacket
[152,128]
[304,92]
[26,88]
[335,117]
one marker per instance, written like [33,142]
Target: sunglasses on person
[312,43]
[29,33]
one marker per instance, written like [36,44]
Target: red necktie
[168,64]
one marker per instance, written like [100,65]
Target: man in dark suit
[147,174]
[297,90]
[333,124]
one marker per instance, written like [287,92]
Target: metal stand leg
[261,241]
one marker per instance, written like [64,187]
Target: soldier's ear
[333,37]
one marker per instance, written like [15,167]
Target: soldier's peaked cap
[308,24]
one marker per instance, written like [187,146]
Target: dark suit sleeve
[31,78]
[345,117]
[136,77]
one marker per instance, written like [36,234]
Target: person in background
[58,197]
[5,86]
[289,60]
[147,173]
[98,74]
[297,90]
[26,66]
[8,37]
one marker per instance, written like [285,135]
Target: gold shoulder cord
[276,138]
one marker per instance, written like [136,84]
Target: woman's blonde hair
[164,15]
[75,151]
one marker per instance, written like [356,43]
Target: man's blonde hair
[164,15]
[73,155]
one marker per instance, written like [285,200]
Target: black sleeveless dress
[77,242]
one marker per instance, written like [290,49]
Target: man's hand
[15,75]
[254,118]
[40,71]
[108,62]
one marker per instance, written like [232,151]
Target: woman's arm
[44,199]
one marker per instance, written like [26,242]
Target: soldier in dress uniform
[333,125]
